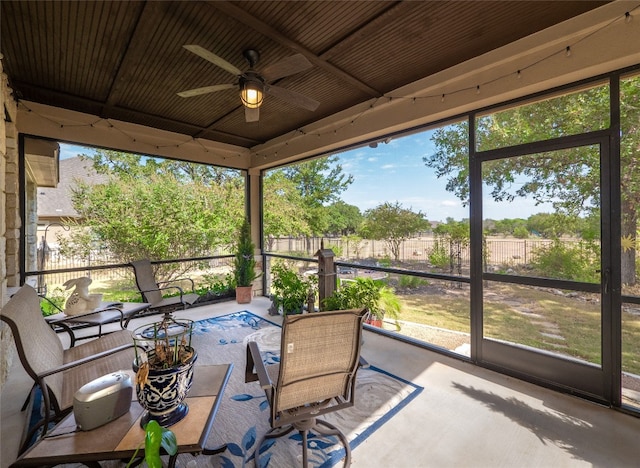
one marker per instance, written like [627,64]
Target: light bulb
[568,51]
[628,17]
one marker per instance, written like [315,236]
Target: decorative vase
[163,394]
[164,370]
[243,294]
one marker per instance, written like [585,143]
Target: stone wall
[9,216]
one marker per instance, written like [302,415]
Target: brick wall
[9,216]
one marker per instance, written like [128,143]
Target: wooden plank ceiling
[125,60]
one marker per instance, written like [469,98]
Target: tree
[319,182]
[393,224]
[458,234]
[344,219]
[149,209]
[569,179]
[550,225]
[284,213]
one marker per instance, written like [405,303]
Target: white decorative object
[80,300]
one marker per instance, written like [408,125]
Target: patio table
[106,312]
[119,439]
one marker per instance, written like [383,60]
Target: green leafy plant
[571,262]
[53,303]
[244,262]
[411,282]
[291,291]
[155,438]
[378,298]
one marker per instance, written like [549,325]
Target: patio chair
[152,291]
[319,358]
[59,372]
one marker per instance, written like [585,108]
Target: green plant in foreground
[156,437]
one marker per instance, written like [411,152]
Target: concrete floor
[465,417]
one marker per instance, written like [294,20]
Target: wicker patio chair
[59,372]
[319,358]
[152,291]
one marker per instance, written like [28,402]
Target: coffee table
[119,439]
[106,312]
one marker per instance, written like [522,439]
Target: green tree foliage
[393,224]
[569,179]
[577,262]
[457,234]
[551,225]
[344,219]
[504,227]
[319,182]
[284,210]
[158,209]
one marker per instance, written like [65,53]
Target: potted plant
[290,291]
[379,299]
[155,438]
[163,365]
[244,264]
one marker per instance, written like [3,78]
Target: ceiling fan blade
[213,58]
[251,115]
[285,67]
[292,97]
[205,90]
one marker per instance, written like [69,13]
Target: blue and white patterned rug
[243,417]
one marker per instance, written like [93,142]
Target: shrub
[571,262]
[53,303]
[411,282]
[438,256]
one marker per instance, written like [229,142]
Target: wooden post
[326,273]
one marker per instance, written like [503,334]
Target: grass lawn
[529,316]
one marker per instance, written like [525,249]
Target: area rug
[243,417]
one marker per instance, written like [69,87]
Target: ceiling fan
[253,85]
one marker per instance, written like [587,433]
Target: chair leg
[333,430]
[303,427]
[305,455]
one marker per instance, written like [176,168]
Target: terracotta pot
[243,294]
[375,322]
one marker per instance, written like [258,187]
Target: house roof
[125,60]
[55,203]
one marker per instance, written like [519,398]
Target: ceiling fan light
[251,93]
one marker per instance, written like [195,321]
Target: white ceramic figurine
[80,300]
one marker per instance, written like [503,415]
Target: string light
[628,17]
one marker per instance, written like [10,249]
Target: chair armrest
[164,289]
[193,285]
[255,369]
[79,362]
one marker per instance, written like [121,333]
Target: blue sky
[395,172]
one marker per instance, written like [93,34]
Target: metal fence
[500,252]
